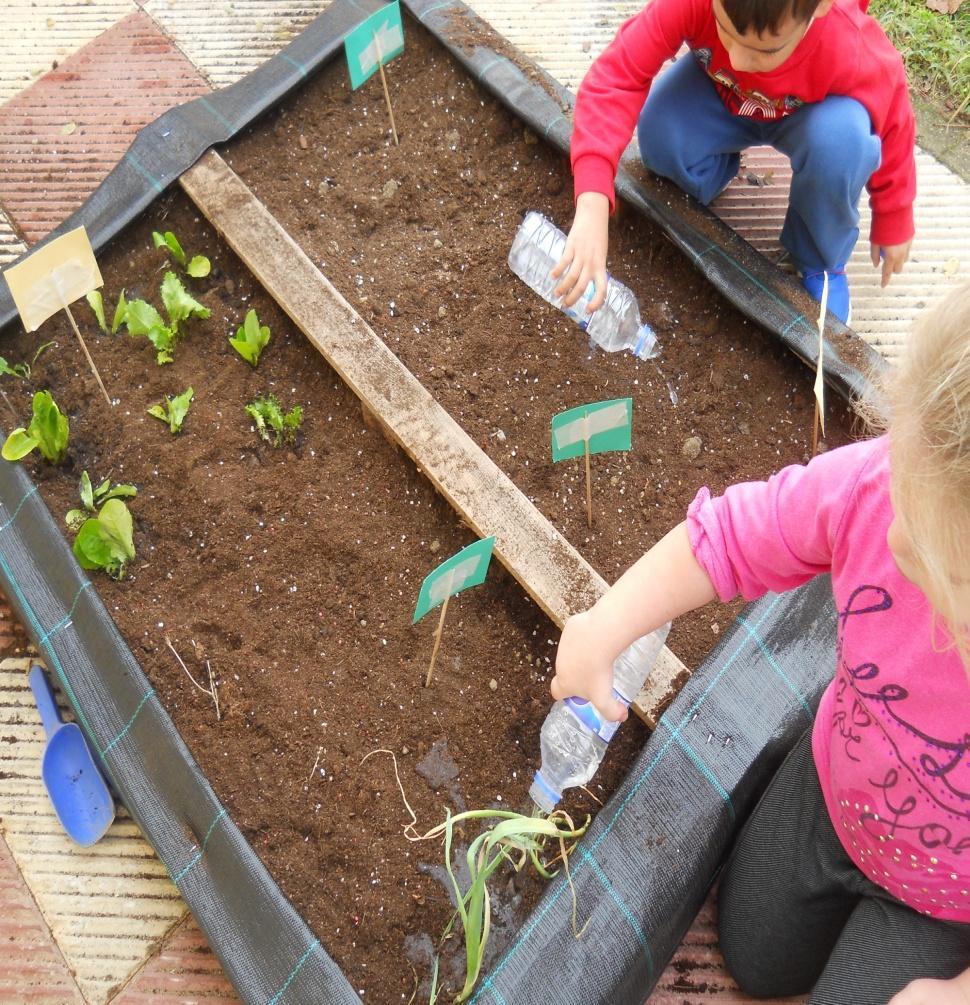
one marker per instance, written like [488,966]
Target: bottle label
[591,719]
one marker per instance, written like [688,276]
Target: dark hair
[762,15]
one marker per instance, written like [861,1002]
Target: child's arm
[584,258]
[665,583]
[757,536]
[931,992]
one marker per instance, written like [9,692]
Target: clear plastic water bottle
[574,736]
[536,250]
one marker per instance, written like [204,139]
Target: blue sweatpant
[688,135]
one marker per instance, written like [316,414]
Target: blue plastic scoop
[80,796]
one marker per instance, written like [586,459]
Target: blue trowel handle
[44,697]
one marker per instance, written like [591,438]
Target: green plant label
[605,425]
[375,42]
[466,569]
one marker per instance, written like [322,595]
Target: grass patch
[934,47]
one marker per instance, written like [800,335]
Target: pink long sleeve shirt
[891,739]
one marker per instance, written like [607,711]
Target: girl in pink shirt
[851,879]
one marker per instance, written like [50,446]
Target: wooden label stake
[387,94]
[437,641]
[818,422]
[589,481]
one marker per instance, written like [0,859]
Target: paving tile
[228,38]
[11,245]
[61,136]
[108,907]
[183,972]
[32,970]
[563,37]
[938,262]
[37,34]
[697,974]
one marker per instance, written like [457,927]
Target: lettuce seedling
[198,268]
[92,498]
[174,410]
[251,339]
[48,431]
[22,370]
[271,424]
[142,319]
[105,541]
[96,301]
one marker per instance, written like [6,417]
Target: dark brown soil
[417,236]
[295,571]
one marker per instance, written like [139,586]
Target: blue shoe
[839,302]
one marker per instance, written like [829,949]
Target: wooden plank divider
[547,566]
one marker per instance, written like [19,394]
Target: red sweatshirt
[845,52]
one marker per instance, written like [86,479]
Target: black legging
[796,915]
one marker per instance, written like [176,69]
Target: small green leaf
[268,415]
[90,547]
[105,541]
[75,518]
[251,339]
[115,519]
[163,339]
[291,423]
[97,305]
[141,317]
[120,492]
[178,303]
[41,349]
[121,312]
[173,410]
[49,426]
[199,267]
[87,493]
[17,445]
[170,241]
[8,371]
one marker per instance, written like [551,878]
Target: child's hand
[893,257]
[584,258]
[930,992]
[584,669]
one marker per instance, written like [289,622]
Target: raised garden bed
[338,532]
[295,572]
[416,238]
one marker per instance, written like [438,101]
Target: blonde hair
[928,397]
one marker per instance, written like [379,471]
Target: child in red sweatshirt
[815,79]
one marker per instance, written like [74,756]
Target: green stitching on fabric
[295,63]
[144,172]
[296,970]
[16,512]
[624,910]
[66,620]
[201,851]
[53,659]
[216,114]
[488,66]
[130,723]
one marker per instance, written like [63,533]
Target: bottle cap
[543,795]
[645,346]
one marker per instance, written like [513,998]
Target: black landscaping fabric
[651,855]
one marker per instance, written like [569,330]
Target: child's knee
[838,140]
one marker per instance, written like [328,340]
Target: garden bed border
[639,901]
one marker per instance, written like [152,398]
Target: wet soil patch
[294,572]
[417,236]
